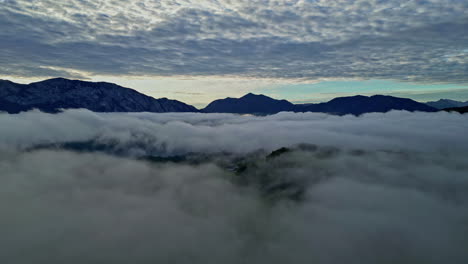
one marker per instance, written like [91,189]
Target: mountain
[460,110]
[249,104]
[54,94]
[59,93]
[359,104]
[356,105]
[446,103]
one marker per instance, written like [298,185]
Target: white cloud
[402,199]
[180,133]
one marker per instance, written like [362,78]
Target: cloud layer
[402,40]
[380,188]
[182,133]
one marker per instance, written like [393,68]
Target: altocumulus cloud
[380,188]
[402,40]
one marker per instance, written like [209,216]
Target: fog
[83,187]
[181,133]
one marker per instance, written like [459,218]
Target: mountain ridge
[248,104]
[446,103]
[360,104]
[52,95]
[356,105]
[59,93]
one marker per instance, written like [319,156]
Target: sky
[197,51]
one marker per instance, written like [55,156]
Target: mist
[84,187]
[181,133]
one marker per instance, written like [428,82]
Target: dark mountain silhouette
[359,104]
[460,110]
[249,104]
[356,105]
[446,103]
[54,94]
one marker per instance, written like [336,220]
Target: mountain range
[59,93]
[447,103]
[356,105]
[55,94]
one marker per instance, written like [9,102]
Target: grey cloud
[400,198]
[174,134]
[416,40]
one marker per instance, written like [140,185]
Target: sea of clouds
[379,188]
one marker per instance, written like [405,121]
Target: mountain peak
[58,79]
[54,80]
[59,93]
[252,95]
[447,103]
[249,104]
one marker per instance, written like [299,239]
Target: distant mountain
[249,104]
[359,104]
[356,105]
[59,93]
[54,94]
[460,110]
[447,103]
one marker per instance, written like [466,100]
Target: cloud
[182,133]
[380,188]
[417,40]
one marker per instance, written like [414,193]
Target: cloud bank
[380,188]
[402,40]
[182,133]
